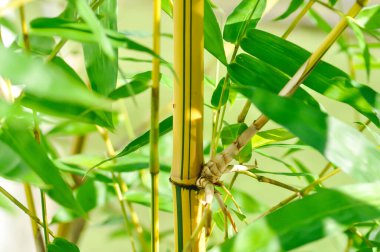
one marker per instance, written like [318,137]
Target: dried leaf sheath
[188,120]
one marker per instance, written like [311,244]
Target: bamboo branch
[154,132]
[217,166]
[25,209]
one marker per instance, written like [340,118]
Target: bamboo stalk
[154,132]
[215,168]
[188,123]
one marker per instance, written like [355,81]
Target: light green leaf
[293,6]
[329,211]
[369,17]
[213,37]
[268,137]
[87,195]
[22,142]
[47,80]
[324,79]
[229,134]
[167,7]
[244,17]
[86,13]
[62,245]
[70,128]
[144,198]
[340,144]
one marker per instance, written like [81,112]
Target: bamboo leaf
[269,137]
[369,17]
[213,37]
[97,29]
[167,7]
[249,71]
[245,16]
[31,153]
[47,80]
[216,95]
[70,128]
[329,211]
[340,144]
[293,6]
[102,70]
[62,245]
[333,2]
[325,78]
[144,198]
[136,85]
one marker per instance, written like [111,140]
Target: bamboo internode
[188,120]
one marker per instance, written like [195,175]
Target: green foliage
[62,245]
[229,134]
[293,6]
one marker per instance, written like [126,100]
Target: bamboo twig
[154,132]
[25,209]
[216,167]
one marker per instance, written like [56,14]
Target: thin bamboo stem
[44,218]
[25,209]
[216,167]
[154,132]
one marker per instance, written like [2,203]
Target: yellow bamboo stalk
[188,122]
[154,132]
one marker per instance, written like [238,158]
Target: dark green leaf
[137,84]
[333,2]
[87,195]
[213,36]
[217,95]
[61,245]
[293,6]
[340,144]
[329,211]
[324,79]
[249,71]
[244,17]
[229,134]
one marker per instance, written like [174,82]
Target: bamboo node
[184,185]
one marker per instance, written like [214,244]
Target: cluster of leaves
[55,97]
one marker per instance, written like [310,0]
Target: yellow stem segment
[154,132]
[188,122]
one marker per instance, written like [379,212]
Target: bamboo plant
[74,128]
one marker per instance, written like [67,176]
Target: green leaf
[12,167]
[144,198]
[369,17]
[340,144]
[136,85]
[244,17]
[279,160]
[213,37]
[293,6]
[268,137]
[329,211]
[167,7]
[324,79]
[102,70]
[87,195]
[62,245]
[82,33]
[333,2]
[217,94]
[32,154]
[97,29]
[165,126]
[246,201]
[229,134]
[47,80]
[362,44]
[249,71]
[70,128]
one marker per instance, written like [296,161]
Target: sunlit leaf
[369,17]
[268,137]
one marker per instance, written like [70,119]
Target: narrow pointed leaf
[369,17]
[244,17]
[229,134]
[339,143]
[324,79]
[329,211]
[272,136]
[293,6]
